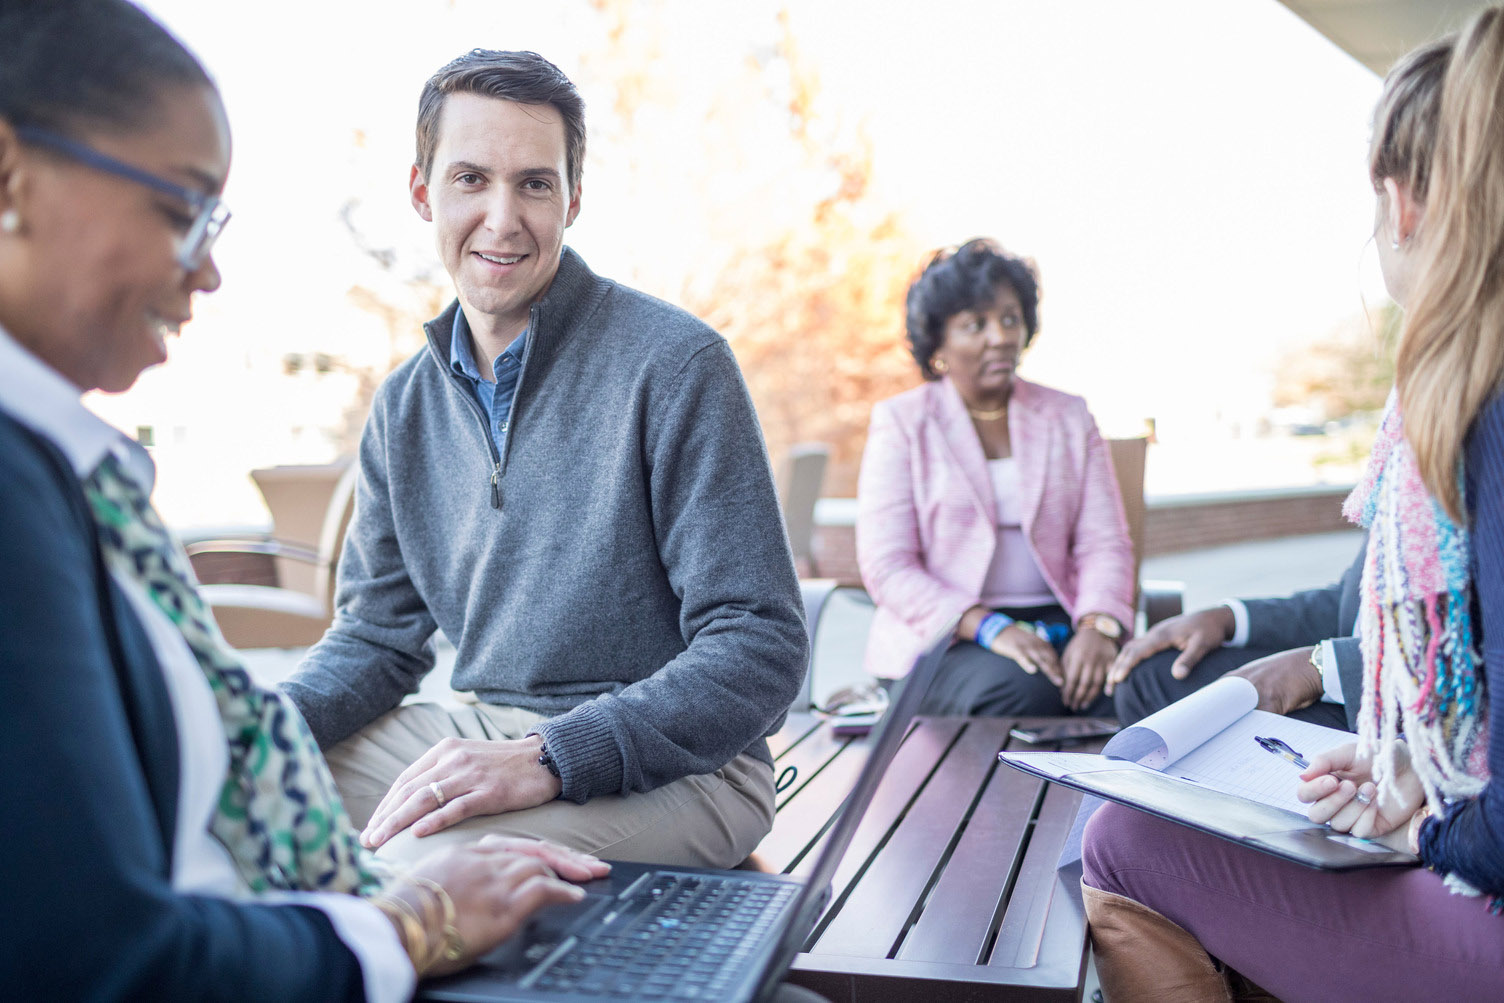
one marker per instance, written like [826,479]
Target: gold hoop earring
[940,366]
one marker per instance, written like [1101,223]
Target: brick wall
[1172,523]
[1175,524]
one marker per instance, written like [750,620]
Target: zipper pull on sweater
[496,487]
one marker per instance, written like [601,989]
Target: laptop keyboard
[678,937]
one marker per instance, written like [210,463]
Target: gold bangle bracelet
[453,946]
[1412,838]
[414,937]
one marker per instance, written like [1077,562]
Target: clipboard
[1204,762]
[1248,823]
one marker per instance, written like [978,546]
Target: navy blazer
[89,757]
[1469,839]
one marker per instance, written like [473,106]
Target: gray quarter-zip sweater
[623,566]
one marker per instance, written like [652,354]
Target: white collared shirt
[42,400]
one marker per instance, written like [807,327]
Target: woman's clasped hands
[1079,672]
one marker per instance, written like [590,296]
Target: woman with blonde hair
[1427,772]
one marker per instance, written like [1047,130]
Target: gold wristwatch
[1104,625]
[1316,664]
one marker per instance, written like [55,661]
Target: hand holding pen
[1339,786]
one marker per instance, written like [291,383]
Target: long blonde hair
[1451,352]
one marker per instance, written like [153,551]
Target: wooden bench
[949,889]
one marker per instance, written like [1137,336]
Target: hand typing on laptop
[496,884]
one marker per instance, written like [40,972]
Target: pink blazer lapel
[961,439]
[1030,432]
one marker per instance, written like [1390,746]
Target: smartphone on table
[1070,729]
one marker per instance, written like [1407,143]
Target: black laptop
[684,933]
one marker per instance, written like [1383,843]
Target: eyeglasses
[210,214]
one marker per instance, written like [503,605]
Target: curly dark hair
[965,278]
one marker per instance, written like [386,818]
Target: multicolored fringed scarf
[278,815]
[1421,678]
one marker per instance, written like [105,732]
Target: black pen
[1283,751]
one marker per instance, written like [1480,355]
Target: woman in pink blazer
[990,499]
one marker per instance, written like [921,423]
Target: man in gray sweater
[569,482]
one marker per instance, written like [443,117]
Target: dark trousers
[976,682]
[1150,687]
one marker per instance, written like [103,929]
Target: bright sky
[1190,176]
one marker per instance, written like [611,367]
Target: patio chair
[1157,600]
[297,496]
[803,478]
[265,616]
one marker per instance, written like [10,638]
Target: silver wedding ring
[438,793]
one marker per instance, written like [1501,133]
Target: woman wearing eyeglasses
[169,829]
[991,499]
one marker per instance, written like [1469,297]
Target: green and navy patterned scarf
[279,815]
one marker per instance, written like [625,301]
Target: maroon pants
[1302,934]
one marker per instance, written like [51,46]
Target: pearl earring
[10,221]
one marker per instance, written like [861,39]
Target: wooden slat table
[949,890]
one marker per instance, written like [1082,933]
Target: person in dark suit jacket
[1299,651]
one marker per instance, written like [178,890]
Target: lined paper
[1233,762]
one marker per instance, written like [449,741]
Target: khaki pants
[714,820]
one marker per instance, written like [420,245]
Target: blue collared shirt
[495,398]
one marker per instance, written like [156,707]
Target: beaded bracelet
[991,626]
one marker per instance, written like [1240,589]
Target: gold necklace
[1001,412]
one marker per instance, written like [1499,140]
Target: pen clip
[1281,748]
[1280,745]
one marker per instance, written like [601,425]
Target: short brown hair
[524,77]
